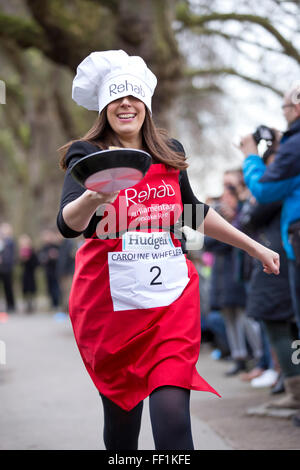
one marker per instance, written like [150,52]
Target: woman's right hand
[103,198]
[77,214]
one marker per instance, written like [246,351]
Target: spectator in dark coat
[29,262]
[229,291]
[48,258]
[7,262]
[65,270]
[212,322]
[269,298]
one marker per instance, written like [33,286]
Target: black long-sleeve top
[72,190]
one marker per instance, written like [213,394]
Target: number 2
[153,283]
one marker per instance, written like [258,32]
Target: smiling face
[126,117]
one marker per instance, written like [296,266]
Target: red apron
[134,303]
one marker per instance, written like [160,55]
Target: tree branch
[112,5]
[184,15]
[58,28]
[74,30]
[232,37]
[25,33]
[230,71]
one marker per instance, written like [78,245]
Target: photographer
[280,181]
[268,298]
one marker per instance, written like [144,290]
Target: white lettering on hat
[104,76]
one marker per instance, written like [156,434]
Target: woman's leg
[234,323]
[281,338]
[253,334]
[170,418]
[121,428]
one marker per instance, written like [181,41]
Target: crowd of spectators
[253,318]
[29,270]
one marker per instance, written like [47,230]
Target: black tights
[170,420]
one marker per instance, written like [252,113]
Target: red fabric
[129,353]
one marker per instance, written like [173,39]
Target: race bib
[149,272]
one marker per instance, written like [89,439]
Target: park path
[48,401]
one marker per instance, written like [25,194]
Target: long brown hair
[155,141]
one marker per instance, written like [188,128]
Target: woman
[136,322]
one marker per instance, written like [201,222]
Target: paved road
[49,402]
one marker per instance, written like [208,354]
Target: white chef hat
[105,76]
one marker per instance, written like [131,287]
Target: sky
[247,105]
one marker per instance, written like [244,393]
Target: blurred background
[222,67]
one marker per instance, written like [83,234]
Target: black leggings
[170,419]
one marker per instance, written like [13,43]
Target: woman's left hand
[217,227]
[269,259]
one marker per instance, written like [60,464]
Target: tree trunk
[144,28]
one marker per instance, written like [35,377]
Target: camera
[264,133]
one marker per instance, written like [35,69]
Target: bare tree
[190,45]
